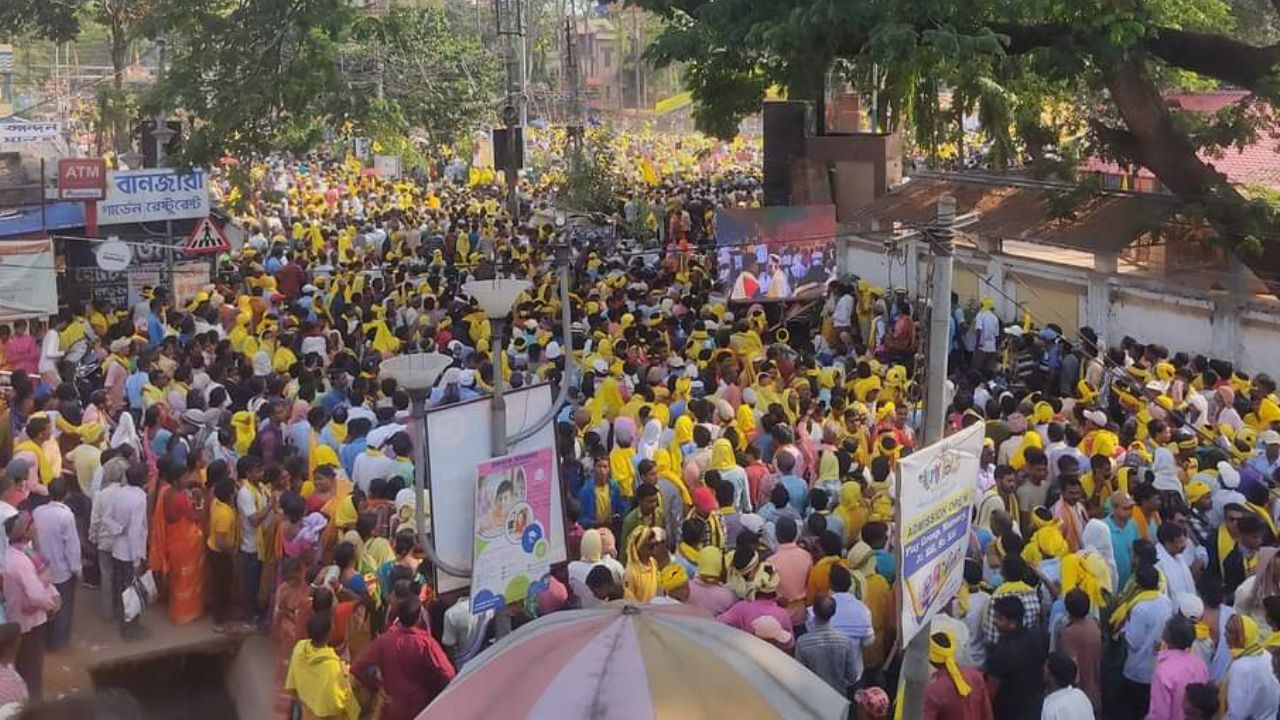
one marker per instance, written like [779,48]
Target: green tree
[253,76]
[428,75]
[1110,60]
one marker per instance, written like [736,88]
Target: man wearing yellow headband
[953,691]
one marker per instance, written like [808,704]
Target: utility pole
[915,659]
[511,30]
[571,78]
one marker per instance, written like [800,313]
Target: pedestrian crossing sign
[207,239]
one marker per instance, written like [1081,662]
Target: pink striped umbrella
[632,662]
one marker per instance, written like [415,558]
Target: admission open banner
[513,514]
[936,500]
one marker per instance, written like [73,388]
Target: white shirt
[1177,575]
[50,352]
[368,466]
[1165,467]
[126,524]
[1253,693]
[988,326]
[458,622]
[843,315]
[1069,703]
[246,506]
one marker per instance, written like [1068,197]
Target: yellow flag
[650,175]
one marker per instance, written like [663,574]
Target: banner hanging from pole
[513,516]
[936,504]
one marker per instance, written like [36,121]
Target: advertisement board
[28,281]
[513,512]
[458,440]
[936,502]
[14,134]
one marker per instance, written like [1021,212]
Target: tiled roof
[1106,223]
[1257,164]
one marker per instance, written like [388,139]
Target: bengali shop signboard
[154,195]
[936,501]
[16,134]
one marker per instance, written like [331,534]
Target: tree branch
[1216,56]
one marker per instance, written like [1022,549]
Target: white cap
[600,366]
[553,350]
[1270,437]
[1190,606]
[1097,417]
[1014,330]
[1228,476]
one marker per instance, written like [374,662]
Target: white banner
[936,504]
[387,166]
[22,133]
[154,195]
[28,282]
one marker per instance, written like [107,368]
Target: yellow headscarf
[944,654]
[1250,635]
[245,426]
[666,469]
[722,455]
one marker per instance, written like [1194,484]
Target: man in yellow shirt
[319,678]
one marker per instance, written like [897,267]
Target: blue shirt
[1264,467]
[155,331]
[133,389]
[1122,540]
[1142,632]
[350,451]
[796,490]
[885,565]
[332,399]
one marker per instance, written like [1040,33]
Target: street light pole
[915,660]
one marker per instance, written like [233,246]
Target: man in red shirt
[409,664]
[290,279]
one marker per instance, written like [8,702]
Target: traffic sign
[82,179]
[207,239]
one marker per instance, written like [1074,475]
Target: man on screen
[779,283]
[746,287]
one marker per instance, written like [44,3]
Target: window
[608,58]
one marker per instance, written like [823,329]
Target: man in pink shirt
[793,563]
[708,590]
[29,597]
[1176,668]
[745,612]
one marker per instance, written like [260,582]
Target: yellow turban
[1196,491]
[673,576]
[942,651]
[1042,414]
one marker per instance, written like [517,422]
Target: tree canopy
[1034,72]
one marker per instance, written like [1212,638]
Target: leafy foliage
[592,182]
[426,73]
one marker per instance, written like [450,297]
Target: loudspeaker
[786,125]
[149,145]
[500,147]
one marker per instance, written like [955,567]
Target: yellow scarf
[1249,628]
[42,462]
[1144,525]
[1122,612]
[1225,545]
[1261,512]
[689,552]
[622,470]
[1076,573]
[945,655]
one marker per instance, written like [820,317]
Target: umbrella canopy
[629,662]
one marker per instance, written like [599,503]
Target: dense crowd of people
[239,455]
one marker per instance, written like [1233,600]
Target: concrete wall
[1226,324]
